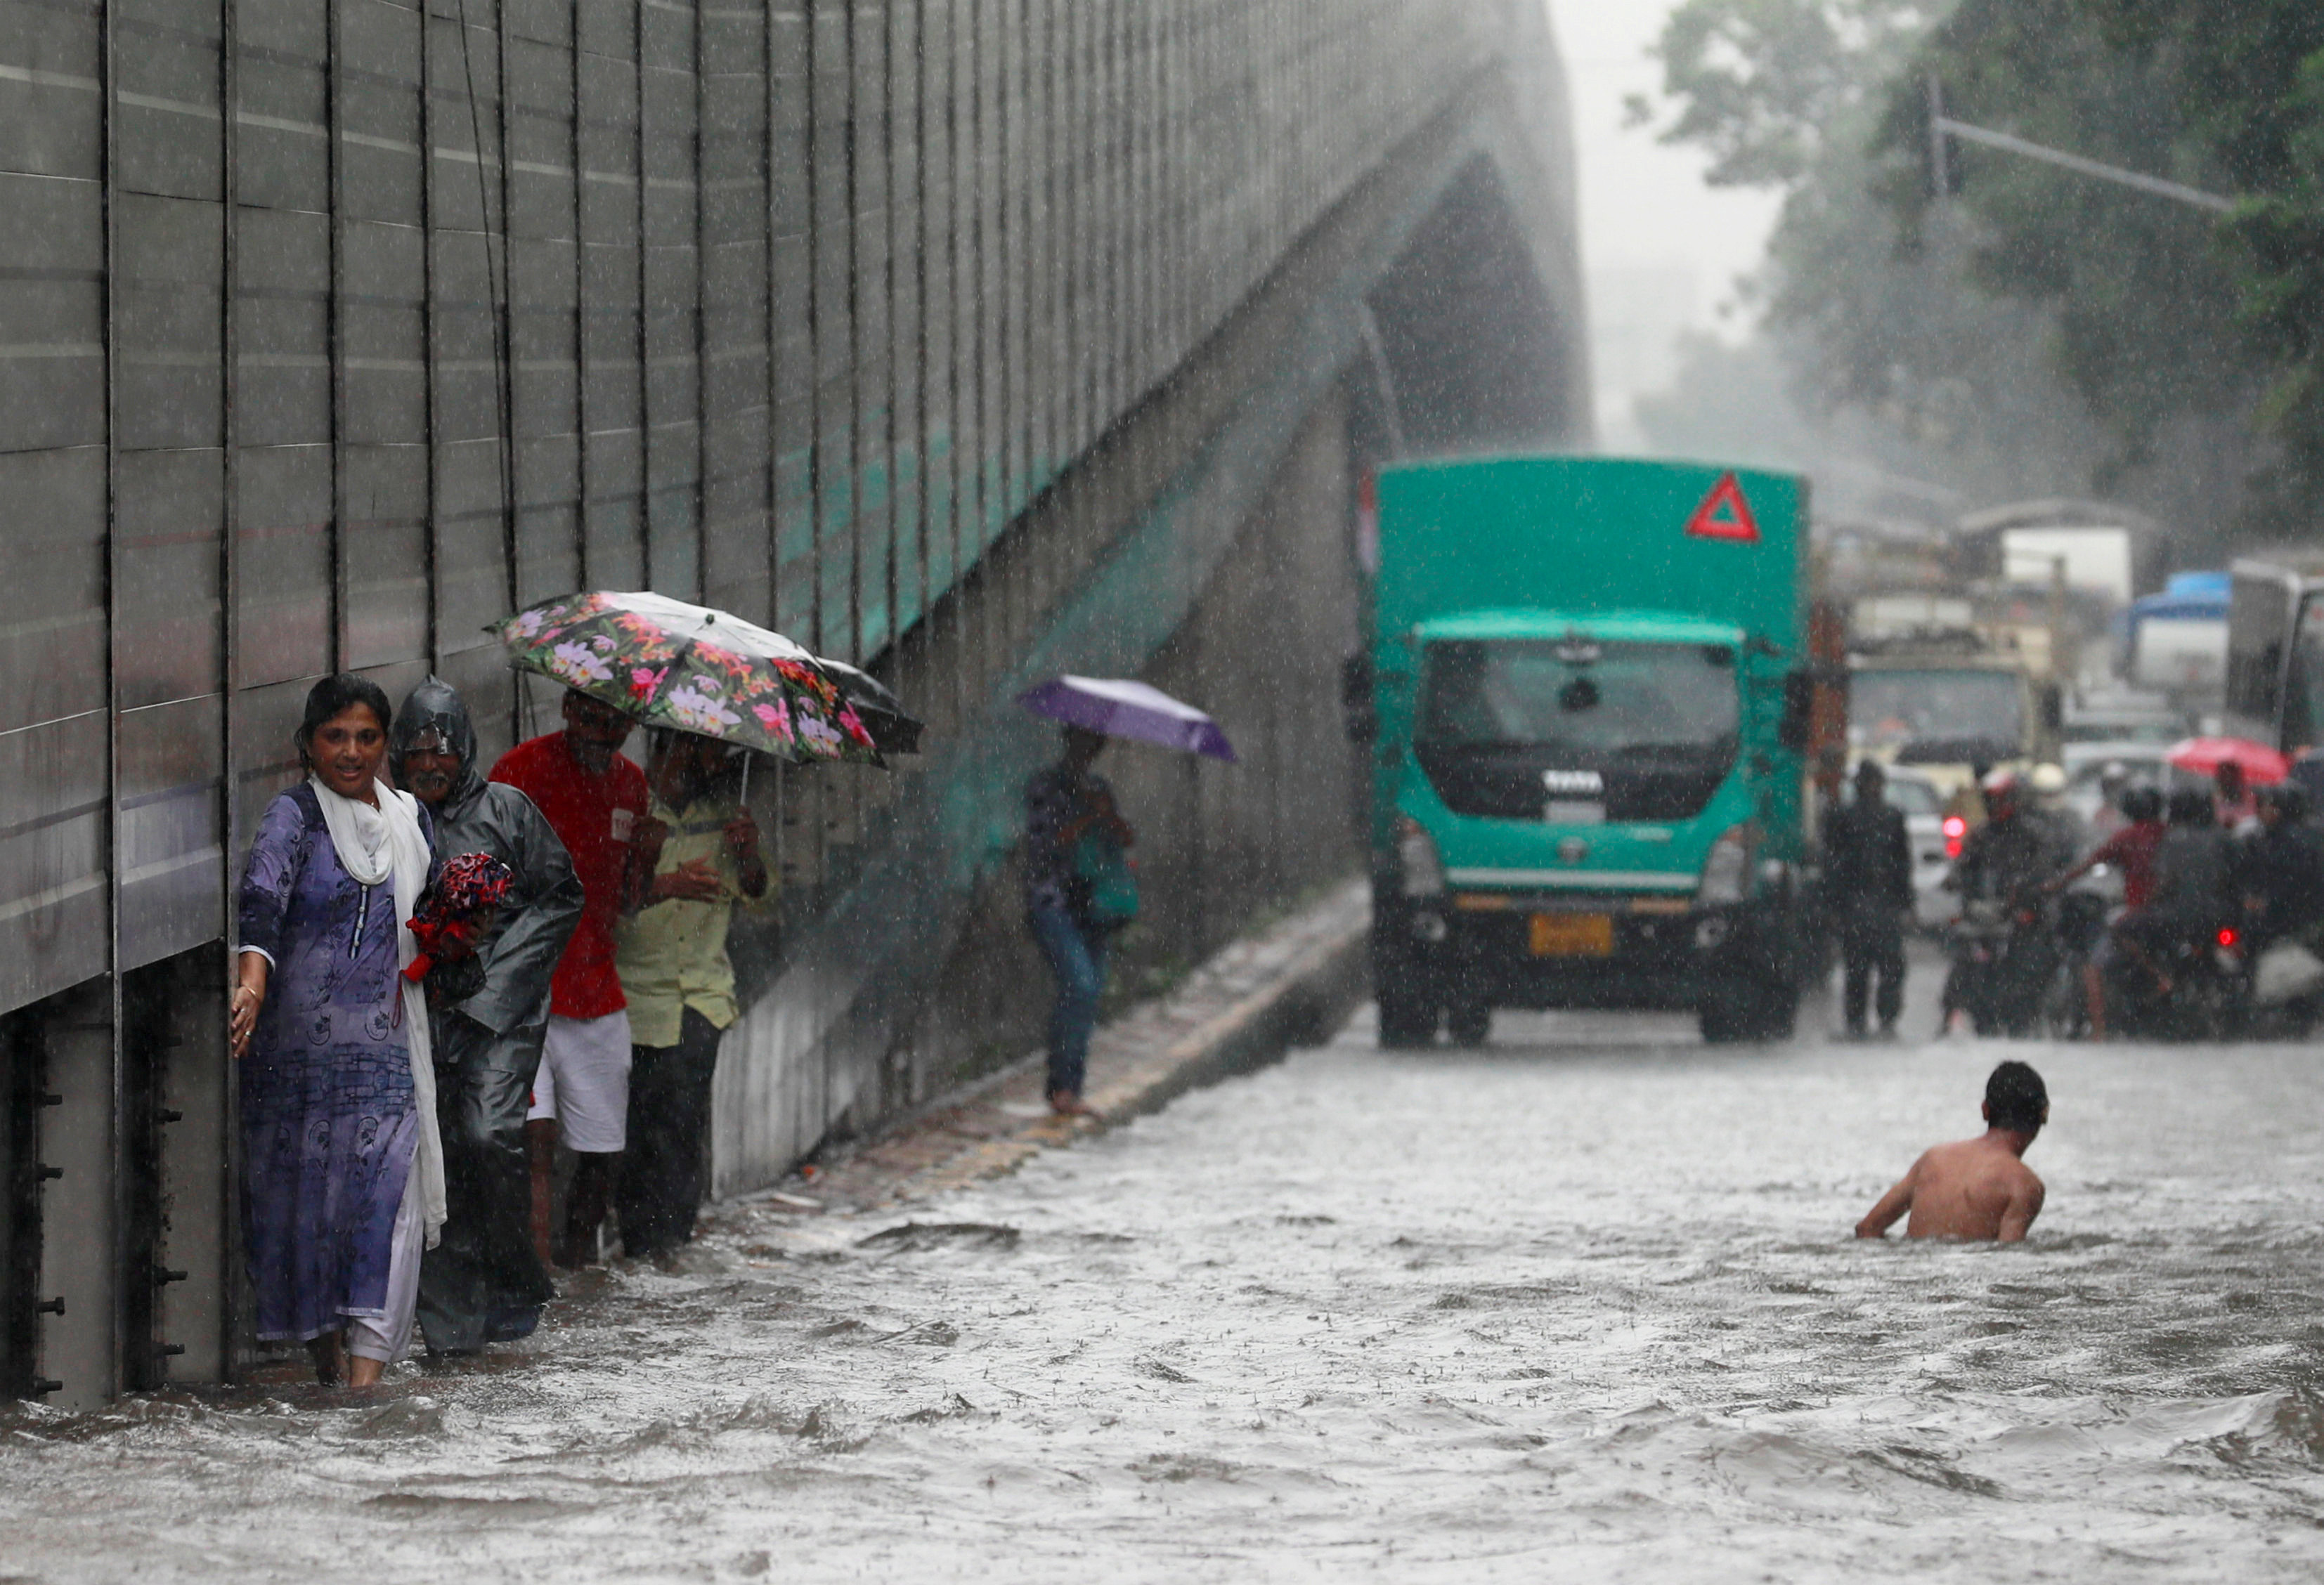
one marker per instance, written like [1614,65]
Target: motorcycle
[2079,922]
[2287,996]
[2195,984]
[2005,958]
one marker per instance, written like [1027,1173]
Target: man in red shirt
[594,799]
[2130,851]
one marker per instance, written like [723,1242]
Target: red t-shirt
[593,815]
[2131,851]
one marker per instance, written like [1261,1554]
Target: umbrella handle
[744,797]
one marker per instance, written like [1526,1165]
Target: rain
[1465,790]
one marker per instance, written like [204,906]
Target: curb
[985,1131]
[1315,994]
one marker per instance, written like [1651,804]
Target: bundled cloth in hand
[457,910]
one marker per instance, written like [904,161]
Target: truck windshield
[1935,715]
[1583,703]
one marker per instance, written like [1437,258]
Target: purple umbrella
[1119,707]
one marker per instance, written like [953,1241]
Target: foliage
[2043,326]
[1891,349]
[2246,80]
[2139,287]
[1765,84]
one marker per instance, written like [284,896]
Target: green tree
[2139,289]
[2044,331]
[2244,81]
[1893,352]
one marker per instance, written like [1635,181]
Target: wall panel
[329,329]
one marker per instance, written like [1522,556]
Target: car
[2085,792]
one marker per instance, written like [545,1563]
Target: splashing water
[1581,1305]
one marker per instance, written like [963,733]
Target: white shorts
[583,1081]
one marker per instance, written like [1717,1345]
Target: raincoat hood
[437,704]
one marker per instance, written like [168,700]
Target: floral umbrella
[688,667]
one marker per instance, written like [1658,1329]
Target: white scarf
[374,844]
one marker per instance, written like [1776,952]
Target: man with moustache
[488,1014]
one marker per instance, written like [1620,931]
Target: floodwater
[1582,1306]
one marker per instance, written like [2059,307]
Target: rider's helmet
[2048,780]
[2288,799]
[2003,791]
[2191,806]
[2141,803]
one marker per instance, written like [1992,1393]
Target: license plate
[1572,936]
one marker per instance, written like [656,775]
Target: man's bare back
[1975,1188]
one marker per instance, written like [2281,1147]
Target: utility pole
[1941,153]
[1942,127]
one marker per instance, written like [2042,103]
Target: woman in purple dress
[343,1173]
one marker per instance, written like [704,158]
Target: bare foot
[363,1372]
[1066,1103]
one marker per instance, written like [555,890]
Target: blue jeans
[1078,961]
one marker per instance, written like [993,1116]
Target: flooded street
[1582,1305]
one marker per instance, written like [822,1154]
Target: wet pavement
[1580,1305]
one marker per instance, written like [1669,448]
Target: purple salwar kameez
[328,1123]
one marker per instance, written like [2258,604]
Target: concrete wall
[963,337]
[1100,575]
[1218,843]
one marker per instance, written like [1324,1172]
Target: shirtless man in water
[1975,1188]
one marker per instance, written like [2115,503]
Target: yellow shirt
[672,954]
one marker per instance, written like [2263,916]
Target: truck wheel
[1408,987]
[1778,1013]
[1407,1017]
[1470,1023]
[1723,1012]
[1732,1010]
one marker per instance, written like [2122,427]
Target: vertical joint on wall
[230,637]
[644,304]
[430,358]
[703,559]
[116,1321]
[582,475]
[504,330]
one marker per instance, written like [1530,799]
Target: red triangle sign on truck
[1724,514]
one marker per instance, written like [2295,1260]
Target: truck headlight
[1726,872]
[1417,857]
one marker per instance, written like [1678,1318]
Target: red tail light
[2228,937]
[1956,832]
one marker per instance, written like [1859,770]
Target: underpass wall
[958,337]
[1099,577]
[1218,843]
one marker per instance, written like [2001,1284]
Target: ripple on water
[1571,1313]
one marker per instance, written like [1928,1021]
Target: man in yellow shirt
[701,847]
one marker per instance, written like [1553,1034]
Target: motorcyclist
[2012,853]
[2050,808]
[2130,850]
[2114,781]
[2194,870]
[2003,867]
[2282,870]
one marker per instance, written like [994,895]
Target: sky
[1661,249]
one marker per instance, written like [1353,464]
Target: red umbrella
[2261,765]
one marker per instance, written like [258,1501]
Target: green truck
[1588,699]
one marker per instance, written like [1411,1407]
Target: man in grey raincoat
[484,1282]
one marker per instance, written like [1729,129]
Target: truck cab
[1589,698]
[2275,650]
[1945,709]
